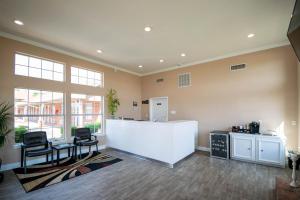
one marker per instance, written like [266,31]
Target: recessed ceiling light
[99,51]
[161,60]
[147,28]
[183,55]
[251,35]
[18,22]
[140,66]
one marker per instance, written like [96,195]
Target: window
[86,77]
[87,112]
[38,68]
[37,110]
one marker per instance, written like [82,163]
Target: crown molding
[237,53]
[58,50]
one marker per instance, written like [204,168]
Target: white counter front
[168,142]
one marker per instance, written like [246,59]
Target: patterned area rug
[44,174]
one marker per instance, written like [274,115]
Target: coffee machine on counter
[252,128]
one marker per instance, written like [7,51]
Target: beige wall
[218,98]
[127,85]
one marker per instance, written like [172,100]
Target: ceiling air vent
[237,67]
[159,80]
[184,80]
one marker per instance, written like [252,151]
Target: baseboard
[10,166]
[201,148]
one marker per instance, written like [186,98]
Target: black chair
[83,137]
[36,139]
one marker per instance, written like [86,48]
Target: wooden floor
[197,177]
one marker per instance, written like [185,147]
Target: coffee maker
[254,127]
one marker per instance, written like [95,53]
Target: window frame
[102,114]
[88,70]
[63,115]
[42,59]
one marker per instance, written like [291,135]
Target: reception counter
[168,142]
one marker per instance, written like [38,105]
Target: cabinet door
[270,151]
[243,147]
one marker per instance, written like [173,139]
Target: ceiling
[202,29]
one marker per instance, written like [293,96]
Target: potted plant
[113,102]
[5,117]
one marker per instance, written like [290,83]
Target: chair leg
[47,158]
[80,152]
[25,165]
[97,147]
[52,158]
[89,149]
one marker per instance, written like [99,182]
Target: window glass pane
[58,127]
[34,96]
[74,71]
[34,62]
[21,98]
[35,123]
[21,60]
[97,107]
[74,79]
[91,74]
[91,82]
[21,127]
[58,103]
[82,81]
[97,83]
[58,76]
[21,70]
[47,74]
[34,72]
[48,65]
[82,72]
[58,67]
[97,76]
[46,96]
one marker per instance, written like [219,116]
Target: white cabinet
[258,148]
[243,147]
[269,150]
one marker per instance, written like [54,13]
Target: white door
[159,109]
[243,147]
[270,150]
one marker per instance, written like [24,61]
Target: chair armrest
[95,136]
[76,139]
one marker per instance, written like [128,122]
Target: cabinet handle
[262,150]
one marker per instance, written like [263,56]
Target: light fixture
[18,22]
[99,51]
[251,35]
[161,60]
[140,66]
[147,28]
[183,55]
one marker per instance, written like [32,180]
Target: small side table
[68,146]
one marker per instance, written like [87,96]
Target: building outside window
[87,111]
[38,110]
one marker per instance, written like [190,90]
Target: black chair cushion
[38,152]
[87,143]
